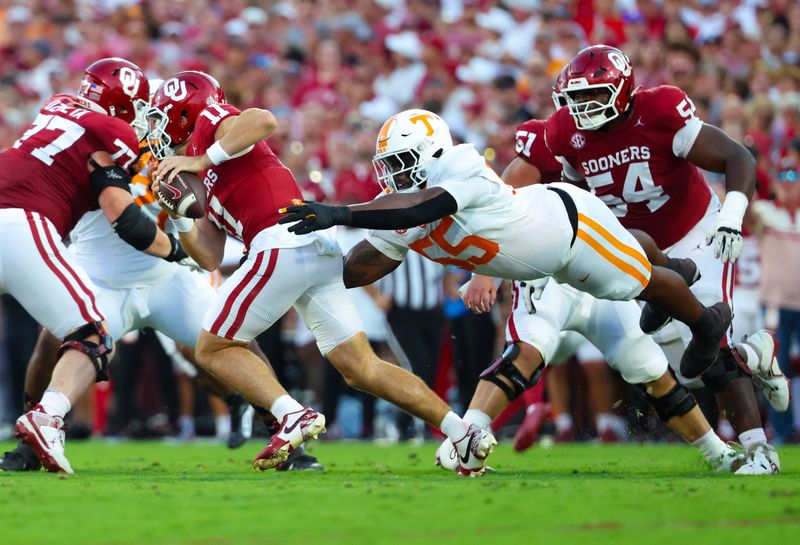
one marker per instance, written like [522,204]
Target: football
[184,196]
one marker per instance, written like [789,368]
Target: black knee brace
[98,353]
[677,402]
[729,366]
[504,367]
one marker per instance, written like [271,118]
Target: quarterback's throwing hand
[310,216]
[169,167]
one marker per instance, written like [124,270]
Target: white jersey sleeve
[389,243]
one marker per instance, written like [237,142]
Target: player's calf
[653,318]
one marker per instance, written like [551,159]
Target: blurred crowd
[332,71]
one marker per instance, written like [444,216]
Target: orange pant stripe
[624,248]
[614,260]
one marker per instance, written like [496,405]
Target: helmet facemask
[592,113]
[140,123]
[158,140]
[401,171]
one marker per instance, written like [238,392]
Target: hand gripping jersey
[639,168]
[245,192]
[108,259]
[46,170]
[498,231]
[531,148]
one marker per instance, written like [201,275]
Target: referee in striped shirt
[415,316]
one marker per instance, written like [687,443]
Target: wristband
[216,154]
[735,206]
[182,225]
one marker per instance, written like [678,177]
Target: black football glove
[313,216]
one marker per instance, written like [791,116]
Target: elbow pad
[103,177]
[135,228]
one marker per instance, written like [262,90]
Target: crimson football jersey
[639,168]
[245,192]
[46,170]
[532,149]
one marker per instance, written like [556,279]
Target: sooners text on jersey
[244,193]
[46,170]
[639,167]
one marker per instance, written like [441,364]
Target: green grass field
[159,494]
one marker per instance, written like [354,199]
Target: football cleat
[704,347]
[446,456]
[295,429]
[766,372]
[730,460]
[472,451]
[528,431]
[22,458]
[652,318]
[241,424]
[45,435]
[300,460]
[761,460]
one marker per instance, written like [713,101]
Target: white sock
[712,447]
[222,425]
[563,422]
[751,438]
[186,426]
[479,418]
[284,405]
[604,422]
[55,403]
[453,427]
[751,356]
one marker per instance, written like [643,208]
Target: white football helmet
[407,144]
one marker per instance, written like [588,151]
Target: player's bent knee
[508,372]
[678,401]
[99,353]
[729,366]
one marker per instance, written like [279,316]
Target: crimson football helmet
[115,86]
[175,106]
[593,70]
[558,86]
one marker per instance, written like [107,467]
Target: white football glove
[726,232]
[530,291]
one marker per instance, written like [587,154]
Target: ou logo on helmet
[175,89]
[620,62]
[129,80]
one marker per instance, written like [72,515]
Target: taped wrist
[103,177]
[176,252]
[427,211]
[734,207]
[135,228]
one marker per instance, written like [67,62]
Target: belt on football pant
[572,211]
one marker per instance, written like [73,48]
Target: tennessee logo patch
[577,140]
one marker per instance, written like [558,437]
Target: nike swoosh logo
[290,429]
[584,278]
[465,459]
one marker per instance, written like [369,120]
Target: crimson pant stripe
[512,327]
[70,270]
[49,262]
[248,300]
[226,309]
[727,297]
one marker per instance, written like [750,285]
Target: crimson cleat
[295,429]
[472,451]
[44,433]
[528,431]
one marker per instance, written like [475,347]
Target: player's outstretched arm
[390,212]
[110,184]
[235,134]
[716,151]
[365,264]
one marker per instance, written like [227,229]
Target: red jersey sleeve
[677,116]
[206,126]
[532,148]
[117,138]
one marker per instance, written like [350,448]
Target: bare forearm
[246,129]
[365,264]
[204,245]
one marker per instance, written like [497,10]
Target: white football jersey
[109,260]
[517,234]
